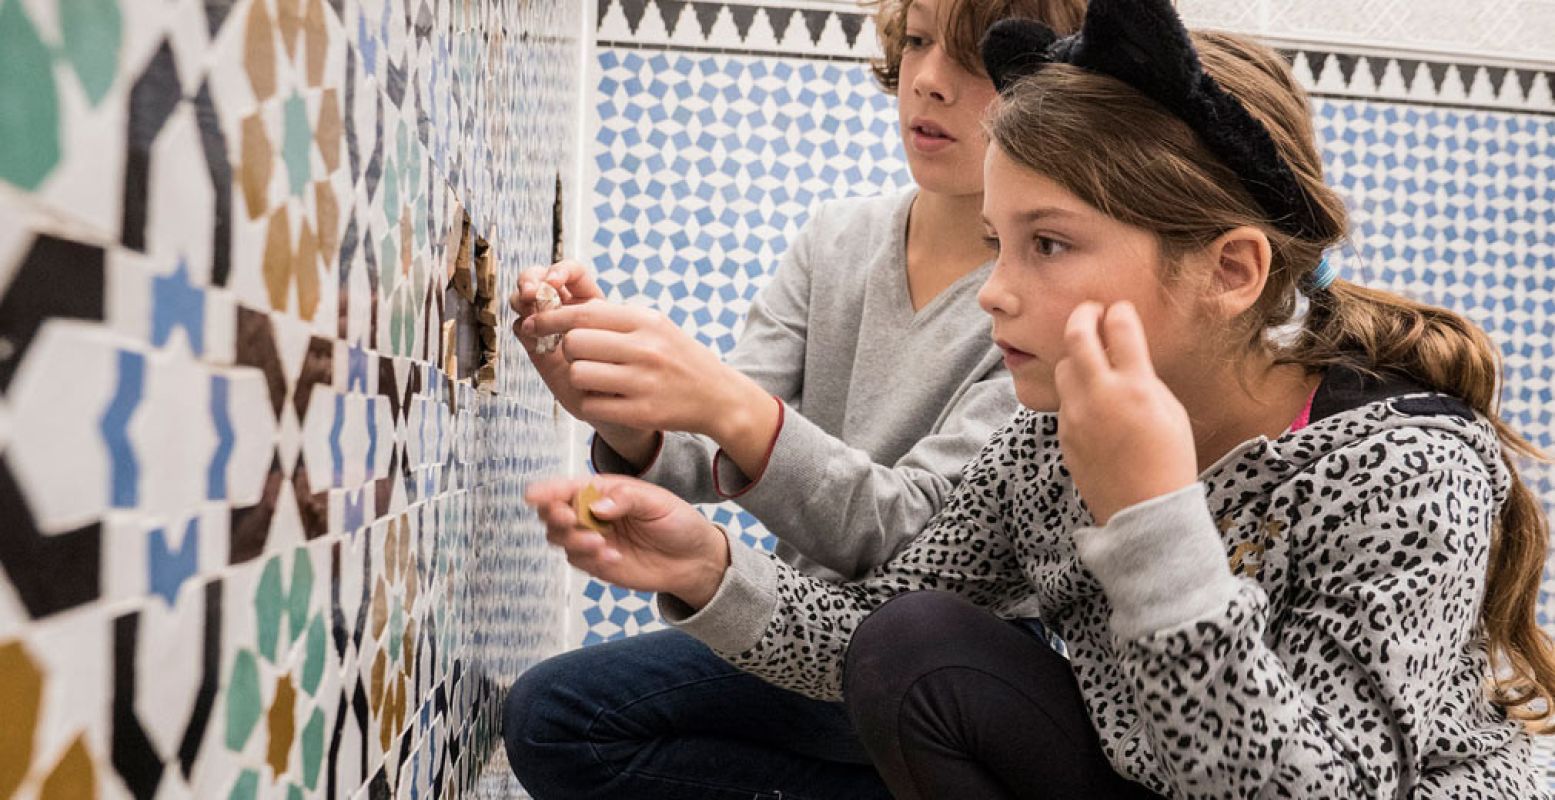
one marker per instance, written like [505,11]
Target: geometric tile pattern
[256,543]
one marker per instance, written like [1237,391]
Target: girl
[864,369]
[1287,563]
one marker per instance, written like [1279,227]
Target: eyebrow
[1038,214]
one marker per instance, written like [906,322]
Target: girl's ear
[1241,258]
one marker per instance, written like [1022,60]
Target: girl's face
[1055,252]
[941,108]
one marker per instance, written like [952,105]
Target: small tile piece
[50,573]
[226,437]
[91,31]
[176,303]
[259,51]
[73,777]
[282,725]
[210,678]
[154,96]
[249,527]
[327,132]
[134,757]
[29,101]
[33,295]
[21,695]
[312,748]
[115,429]
[300,594]
[297,144]
[269,603]
[213,143]
[255,163]
[277,264]
[289,17]
[243,701]
[246,787]
[315,33]
[171,566]
[313,656]
[305,269]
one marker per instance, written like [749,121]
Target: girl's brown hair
[1126,155]
[965,23]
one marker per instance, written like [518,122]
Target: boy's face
[941,107]
[1056,252]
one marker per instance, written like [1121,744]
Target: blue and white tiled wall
[253,541]
[721,124]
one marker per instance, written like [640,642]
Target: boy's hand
[651,541]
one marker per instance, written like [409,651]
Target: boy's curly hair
[965,22]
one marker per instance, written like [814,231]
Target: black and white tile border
[820,30]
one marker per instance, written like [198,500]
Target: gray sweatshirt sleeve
[837,507]
[793,629]
[1325,697]
[771,351]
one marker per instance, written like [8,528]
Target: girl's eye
[1050,247]
[913,41]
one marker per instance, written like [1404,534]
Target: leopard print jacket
[1329,647]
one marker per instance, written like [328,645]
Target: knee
[537,725]
[901,641]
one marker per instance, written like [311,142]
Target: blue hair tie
[1324,275]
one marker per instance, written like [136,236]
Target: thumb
[628,498]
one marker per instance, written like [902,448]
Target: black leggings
[952,702]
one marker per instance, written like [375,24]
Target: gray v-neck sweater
[884,404]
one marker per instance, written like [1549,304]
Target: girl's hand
[633,367]
[654,541]
[1125,436]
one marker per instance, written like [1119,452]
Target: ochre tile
[282,725]
[289,17]
[326,132]
[315,33]
[278,259]
[305,267]
[256,165]
[73,777]
[259,51]
[21,692]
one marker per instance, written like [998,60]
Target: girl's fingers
[1125,339]
[1082,341]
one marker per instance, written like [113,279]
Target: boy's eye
[991,242]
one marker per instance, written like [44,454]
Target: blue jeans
[661,716]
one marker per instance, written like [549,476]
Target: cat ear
[1142,43]
[1015,48]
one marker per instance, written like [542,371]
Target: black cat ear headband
[1144,44]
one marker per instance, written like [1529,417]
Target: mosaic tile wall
[254,541]
[721,124]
